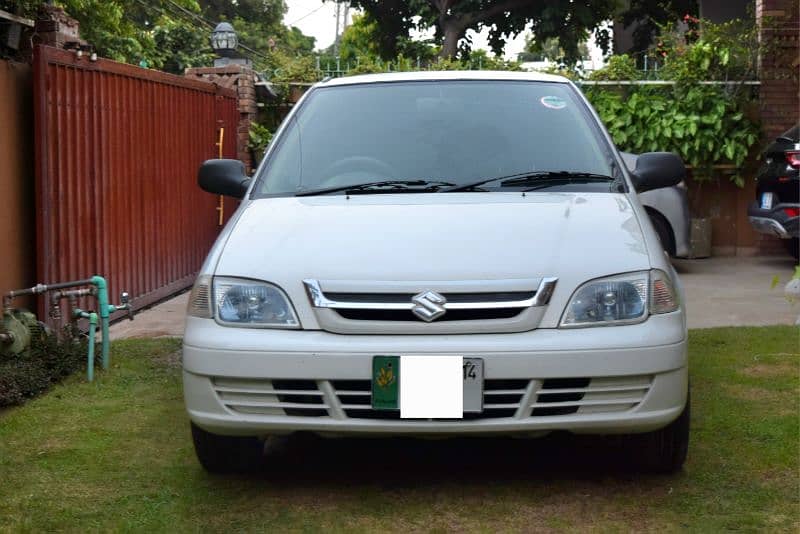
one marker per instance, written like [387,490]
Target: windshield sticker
[553,102]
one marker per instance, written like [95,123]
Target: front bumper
[623,379]
[774,221]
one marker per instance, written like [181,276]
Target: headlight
[622,299]
[252,303]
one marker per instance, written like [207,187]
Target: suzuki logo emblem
[429,305]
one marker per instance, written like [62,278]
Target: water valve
[125,300]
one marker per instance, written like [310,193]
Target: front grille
[473,314]
[275,397]
[389,307]
[569,390]
[501,397]
[565,396]
[506,296]
[452,315]
[300,392]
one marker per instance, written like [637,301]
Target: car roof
[443,75]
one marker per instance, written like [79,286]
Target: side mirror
[223,177]
[655,170]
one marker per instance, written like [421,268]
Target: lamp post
[224,41]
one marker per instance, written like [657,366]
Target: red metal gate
[117,152]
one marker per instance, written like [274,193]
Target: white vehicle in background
[668,208]
[438,254]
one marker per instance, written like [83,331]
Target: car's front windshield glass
[456,132]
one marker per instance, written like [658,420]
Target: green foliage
[549,50]
[727,51]
[707,125]
[700,123]
[179,47]
[620,67]
[260,137]
[649,15]
[294,69]
[46,362]
[452,18]
[268,13]
[172,35]
[361,39]
[358,40]
[477,60]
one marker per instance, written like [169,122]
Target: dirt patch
[172,360]
[757,394]
[790,366]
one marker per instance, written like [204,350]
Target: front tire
[226,454]
[664,450]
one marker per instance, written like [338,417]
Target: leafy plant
[727,51]
[260,137]
[704,126]
[707,125]
[618,67]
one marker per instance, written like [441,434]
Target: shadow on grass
[302,460]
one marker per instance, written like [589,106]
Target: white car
[438,254]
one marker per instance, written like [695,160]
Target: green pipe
[105,311]
[90,354]
[92,316]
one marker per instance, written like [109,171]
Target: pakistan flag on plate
[385,380]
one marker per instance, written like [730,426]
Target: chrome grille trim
[319,300]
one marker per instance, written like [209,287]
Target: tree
[549,50]
[361,40]
[569,20]
[174,34]
[649,14]
[259,24]
[132,31]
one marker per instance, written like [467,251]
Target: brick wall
[53,27]
[243,80]
[779,73]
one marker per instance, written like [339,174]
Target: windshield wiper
[384,186]
[529,178]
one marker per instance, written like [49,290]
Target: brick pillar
[779,73]
[243,80]
[780,66]
[53,27]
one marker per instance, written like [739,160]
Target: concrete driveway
[719,292]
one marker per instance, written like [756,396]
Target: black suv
[776,210]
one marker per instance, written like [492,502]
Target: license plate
[473,385]
[387,376]
[766,201]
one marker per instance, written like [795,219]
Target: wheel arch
[662,225]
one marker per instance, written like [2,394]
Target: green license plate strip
[386,384]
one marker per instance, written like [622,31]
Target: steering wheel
[343,171]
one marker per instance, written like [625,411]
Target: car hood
[447,237]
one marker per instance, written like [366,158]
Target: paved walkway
[719,292]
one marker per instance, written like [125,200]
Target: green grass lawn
[117,455]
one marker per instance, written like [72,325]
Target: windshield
[449,131]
